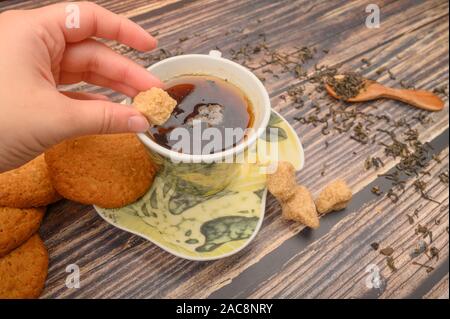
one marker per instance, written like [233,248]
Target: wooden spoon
[373,90]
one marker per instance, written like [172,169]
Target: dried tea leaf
[434,253]
[391,264]
[428,268]
[388,251]
[376,190]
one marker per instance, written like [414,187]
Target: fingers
[85,96]
[89,77]
[101,117]
[96,21]
[95,57]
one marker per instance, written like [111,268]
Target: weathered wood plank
[335,266]
[440,291]
[127,8]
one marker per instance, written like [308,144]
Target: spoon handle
[419,98]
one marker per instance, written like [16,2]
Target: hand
[38,52]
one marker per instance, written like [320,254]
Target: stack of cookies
[24,194]
[106,170]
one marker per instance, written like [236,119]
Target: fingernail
[155,81]
[155,43]
[138,124]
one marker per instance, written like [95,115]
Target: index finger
[81,20]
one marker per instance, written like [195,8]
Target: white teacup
[197,169]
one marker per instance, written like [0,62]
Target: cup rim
[241,146]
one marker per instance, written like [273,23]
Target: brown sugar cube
[281,183]
[335,196]
[300,207]
[155,104]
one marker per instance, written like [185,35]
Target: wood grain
[440,291]
[285,260]
[338,262]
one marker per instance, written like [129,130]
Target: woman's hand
[38,52]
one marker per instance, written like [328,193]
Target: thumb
[103,117]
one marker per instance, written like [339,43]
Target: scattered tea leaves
[428,268]
[376,190]
[441,90]
[425,232]
[366,62]
[360,135]
[391,75]
[392,196]
[373,162]
[443,177]
[433,253]
[391,263]
[410,219]
[347,85]
[381,70]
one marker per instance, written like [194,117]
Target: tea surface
[204,102]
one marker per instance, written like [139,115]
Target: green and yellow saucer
[203,226]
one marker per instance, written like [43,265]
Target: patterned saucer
[202,226]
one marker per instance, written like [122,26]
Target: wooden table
[286,260]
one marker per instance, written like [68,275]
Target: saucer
[204,226]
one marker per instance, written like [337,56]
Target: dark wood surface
[285,259]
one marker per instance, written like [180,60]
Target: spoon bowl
[373,90]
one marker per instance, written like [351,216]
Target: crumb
[335,196]
[155,104]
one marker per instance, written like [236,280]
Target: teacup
[207,174]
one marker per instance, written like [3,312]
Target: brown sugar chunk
[300,207]
[281,183]
[334,197]
[155,104]
[296,201]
